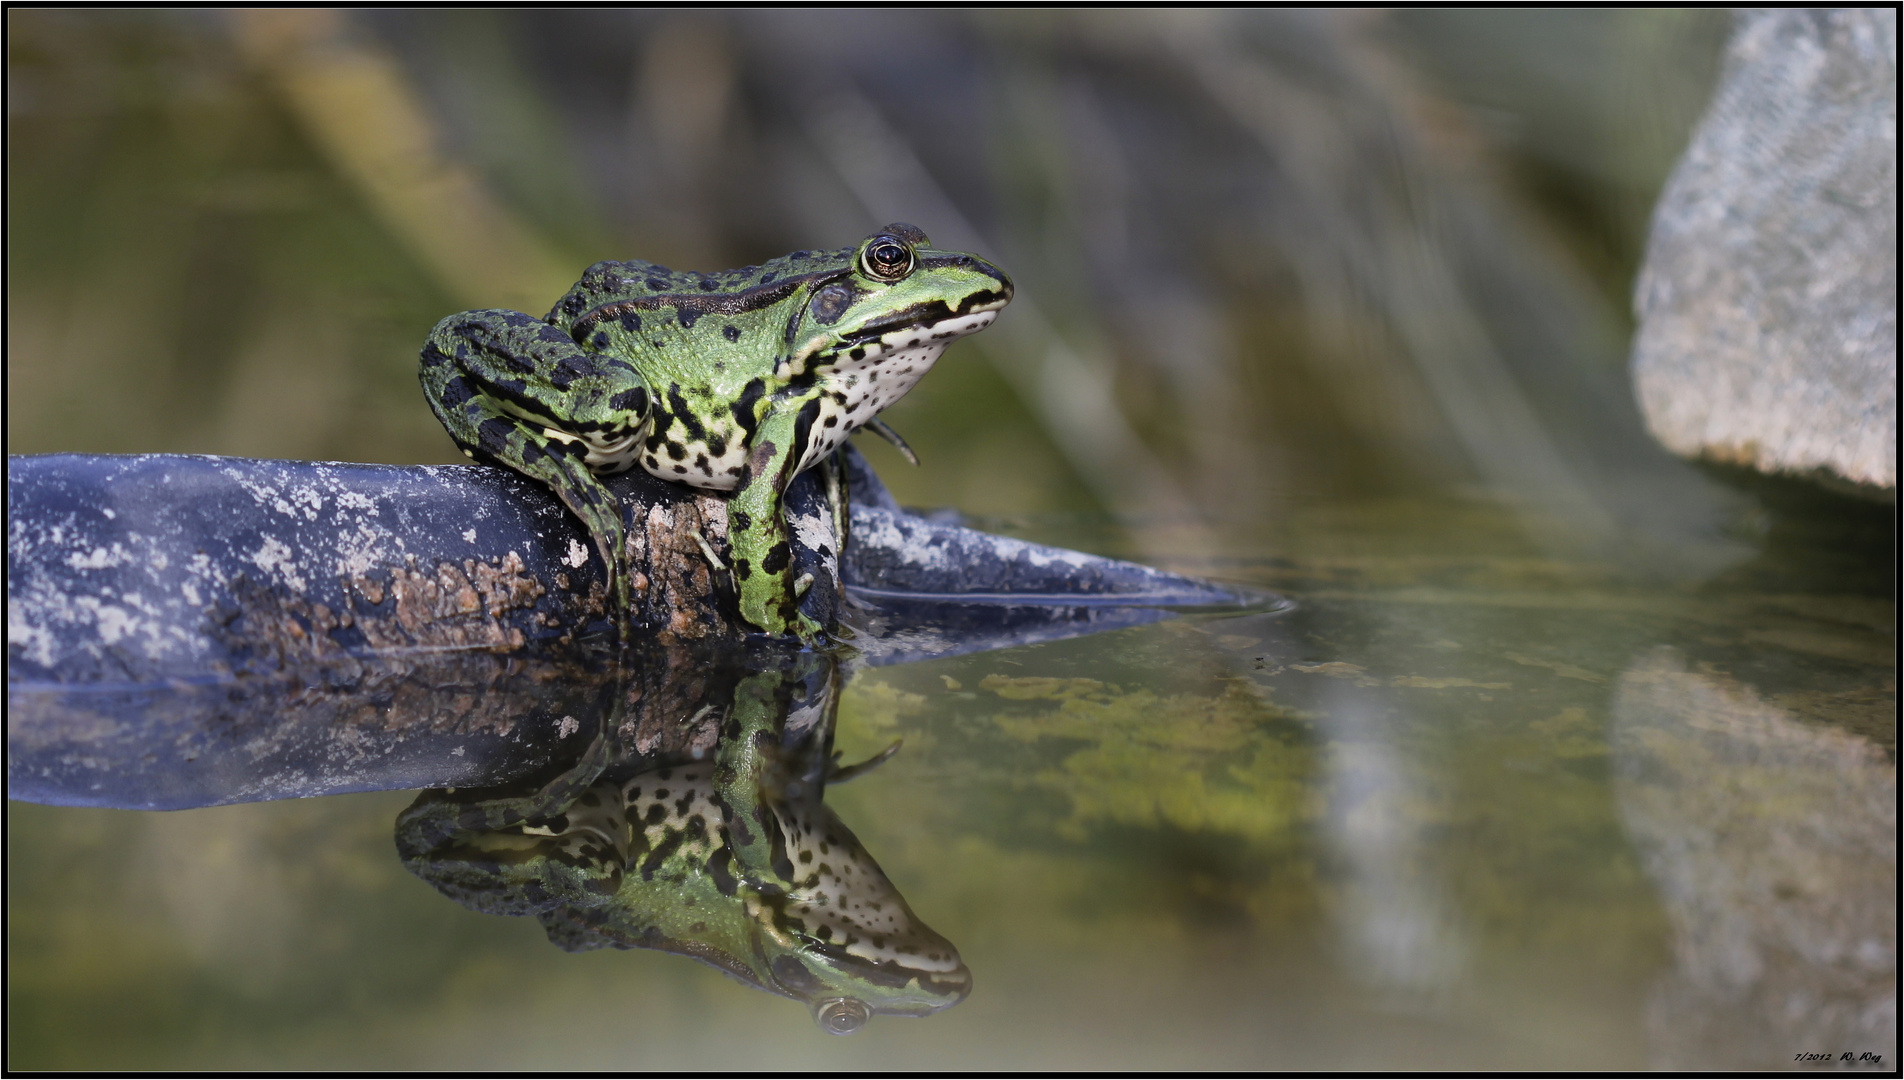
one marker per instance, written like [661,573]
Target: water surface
[1466,806]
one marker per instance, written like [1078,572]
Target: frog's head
[896,301]
[845,942]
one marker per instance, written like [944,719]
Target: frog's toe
[811,631]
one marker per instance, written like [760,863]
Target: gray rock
[152,568]
[1768,300]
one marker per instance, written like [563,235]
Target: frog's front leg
[513,390]
[757,529]
[752,774]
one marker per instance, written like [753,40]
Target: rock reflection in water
[377,721]
[1773,844]
[700,829]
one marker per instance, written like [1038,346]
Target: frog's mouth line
[929,317]
[939,989]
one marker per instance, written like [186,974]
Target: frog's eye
[886,258]
[841,1015]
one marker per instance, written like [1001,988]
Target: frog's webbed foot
[776,611]
[600,511]
[834,640]
[811,632]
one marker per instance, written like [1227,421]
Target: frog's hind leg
[439,817]
[564,844]
[561,466]
[490,375]
[488,434]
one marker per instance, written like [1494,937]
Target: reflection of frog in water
[733,860]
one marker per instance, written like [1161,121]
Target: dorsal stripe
[734,303]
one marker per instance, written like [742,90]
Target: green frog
[733,859]
[734,381]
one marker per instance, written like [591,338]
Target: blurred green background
[1263,257]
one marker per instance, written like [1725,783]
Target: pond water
[1464,806]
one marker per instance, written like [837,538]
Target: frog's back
[651,284]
